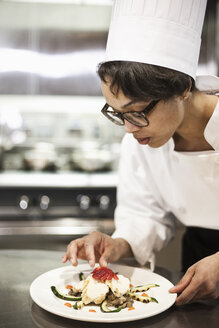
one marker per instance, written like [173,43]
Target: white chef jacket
[158,184]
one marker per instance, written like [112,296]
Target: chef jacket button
[182,210]
[175,158]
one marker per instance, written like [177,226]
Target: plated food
[112,291]
[66,276]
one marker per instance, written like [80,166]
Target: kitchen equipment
[44,190]
[92,157]
[70,204]
[42,157]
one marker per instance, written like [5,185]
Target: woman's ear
[186,93]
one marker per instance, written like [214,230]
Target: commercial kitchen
[59,156]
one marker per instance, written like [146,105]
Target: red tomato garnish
[104,276]
[97,269]
[98,272]
[110,276]
[115,276]
[104,273]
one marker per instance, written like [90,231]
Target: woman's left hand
[201,281]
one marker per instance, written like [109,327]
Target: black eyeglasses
[136,118]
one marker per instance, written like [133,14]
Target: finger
[101,247]
[184,282]
[72,252]
[185,297]
[90,253]
[189,292]
[104,259]
[64,258]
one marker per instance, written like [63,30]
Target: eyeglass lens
[115,117]
[135,118]
[132,117]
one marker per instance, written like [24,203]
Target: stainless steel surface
[62,179]
[53,29]
[62,226]
[71,31]
[209,53]
[20,267]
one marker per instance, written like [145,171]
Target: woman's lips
[143,141]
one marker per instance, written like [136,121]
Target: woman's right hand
[97,247]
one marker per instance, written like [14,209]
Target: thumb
[103,261]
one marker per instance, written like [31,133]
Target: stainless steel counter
[58,179]
[18,268]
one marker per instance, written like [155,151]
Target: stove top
[52,196]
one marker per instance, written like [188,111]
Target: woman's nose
[130,128]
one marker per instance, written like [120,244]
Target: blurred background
[58,155]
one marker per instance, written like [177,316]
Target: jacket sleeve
[140,216]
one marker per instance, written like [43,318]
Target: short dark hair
[144,81]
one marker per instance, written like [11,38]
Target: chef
[169,166]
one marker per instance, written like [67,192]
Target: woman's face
[165,118]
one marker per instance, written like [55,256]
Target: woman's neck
[198,109]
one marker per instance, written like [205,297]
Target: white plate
[42,295]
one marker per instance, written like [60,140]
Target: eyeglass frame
[120,115]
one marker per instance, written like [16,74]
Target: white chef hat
[160,32]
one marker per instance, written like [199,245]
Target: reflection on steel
[65,226]
[52,66]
